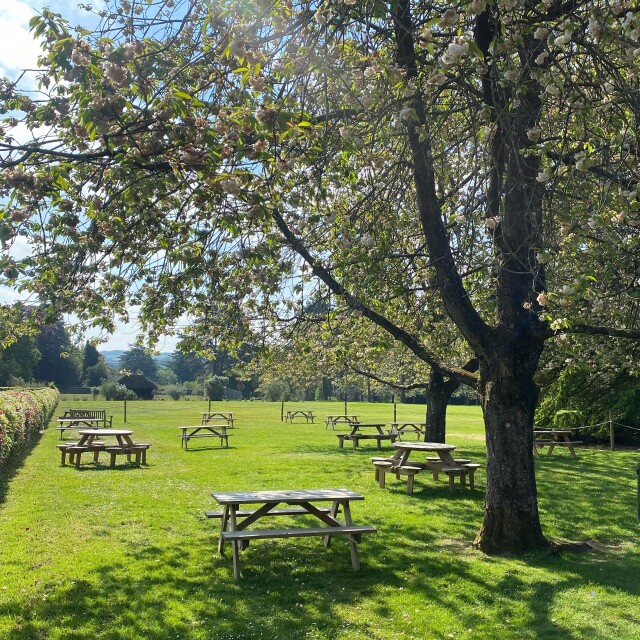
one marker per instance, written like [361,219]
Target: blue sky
[19,51]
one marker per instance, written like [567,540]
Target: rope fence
[612,424]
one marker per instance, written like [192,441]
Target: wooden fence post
[125,411]
[611,433]
[282,411]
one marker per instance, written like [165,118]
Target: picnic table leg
[550,451]
[223,527]
[353,547]
[335,506]
[235,544]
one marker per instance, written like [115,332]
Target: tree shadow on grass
[291,588]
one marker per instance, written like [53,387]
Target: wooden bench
[356,437]
[83,418]
[462,471]
[72,450]
[116,451]
[557,443]
[382,468]
[410,471]
[224,438]
[351,530]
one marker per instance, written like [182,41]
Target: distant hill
[112,358]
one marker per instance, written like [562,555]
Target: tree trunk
[509,396]
[438,393]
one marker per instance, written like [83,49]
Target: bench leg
[223,527]
[379,443]
[471,473]
[353,547]
[112,463]
[341,442]
[335,507]
[78,457]
[452,480]
[235,546]
[354,441]
[96,453]
[138,456]
[410,484]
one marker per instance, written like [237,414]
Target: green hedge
[23,412]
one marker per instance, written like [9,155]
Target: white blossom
[534,134]
[448,18]
[476,7]
[492,223]
[541,33]
[565,38]
[512,75]
[541,57]
[544,176]
[455,52]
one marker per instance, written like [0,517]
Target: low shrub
[111,390]
[23,412]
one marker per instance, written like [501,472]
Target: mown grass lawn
[127,554]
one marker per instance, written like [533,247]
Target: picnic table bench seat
[117,450]
[351,530]
[355,438]
[557,443]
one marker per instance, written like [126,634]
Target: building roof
[137,381]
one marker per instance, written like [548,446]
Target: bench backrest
[99,414]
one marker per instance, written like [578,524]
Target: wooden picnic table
[234,522]
[553,438]
[400,465]
[91,440]
[300,413]
[400,428]
[355,435]
[342,419]
[204,431]
[227,416]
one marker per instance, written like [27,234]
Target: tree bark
[509,395]
[438,393]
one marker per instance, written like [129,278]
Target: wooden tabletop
[424,446]
[105,432]
[290,497]
[551,431]
[204,426]
[217,413]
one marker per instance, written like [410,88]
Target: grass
[127,554]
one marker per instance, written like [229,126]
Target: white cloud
[18,49]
